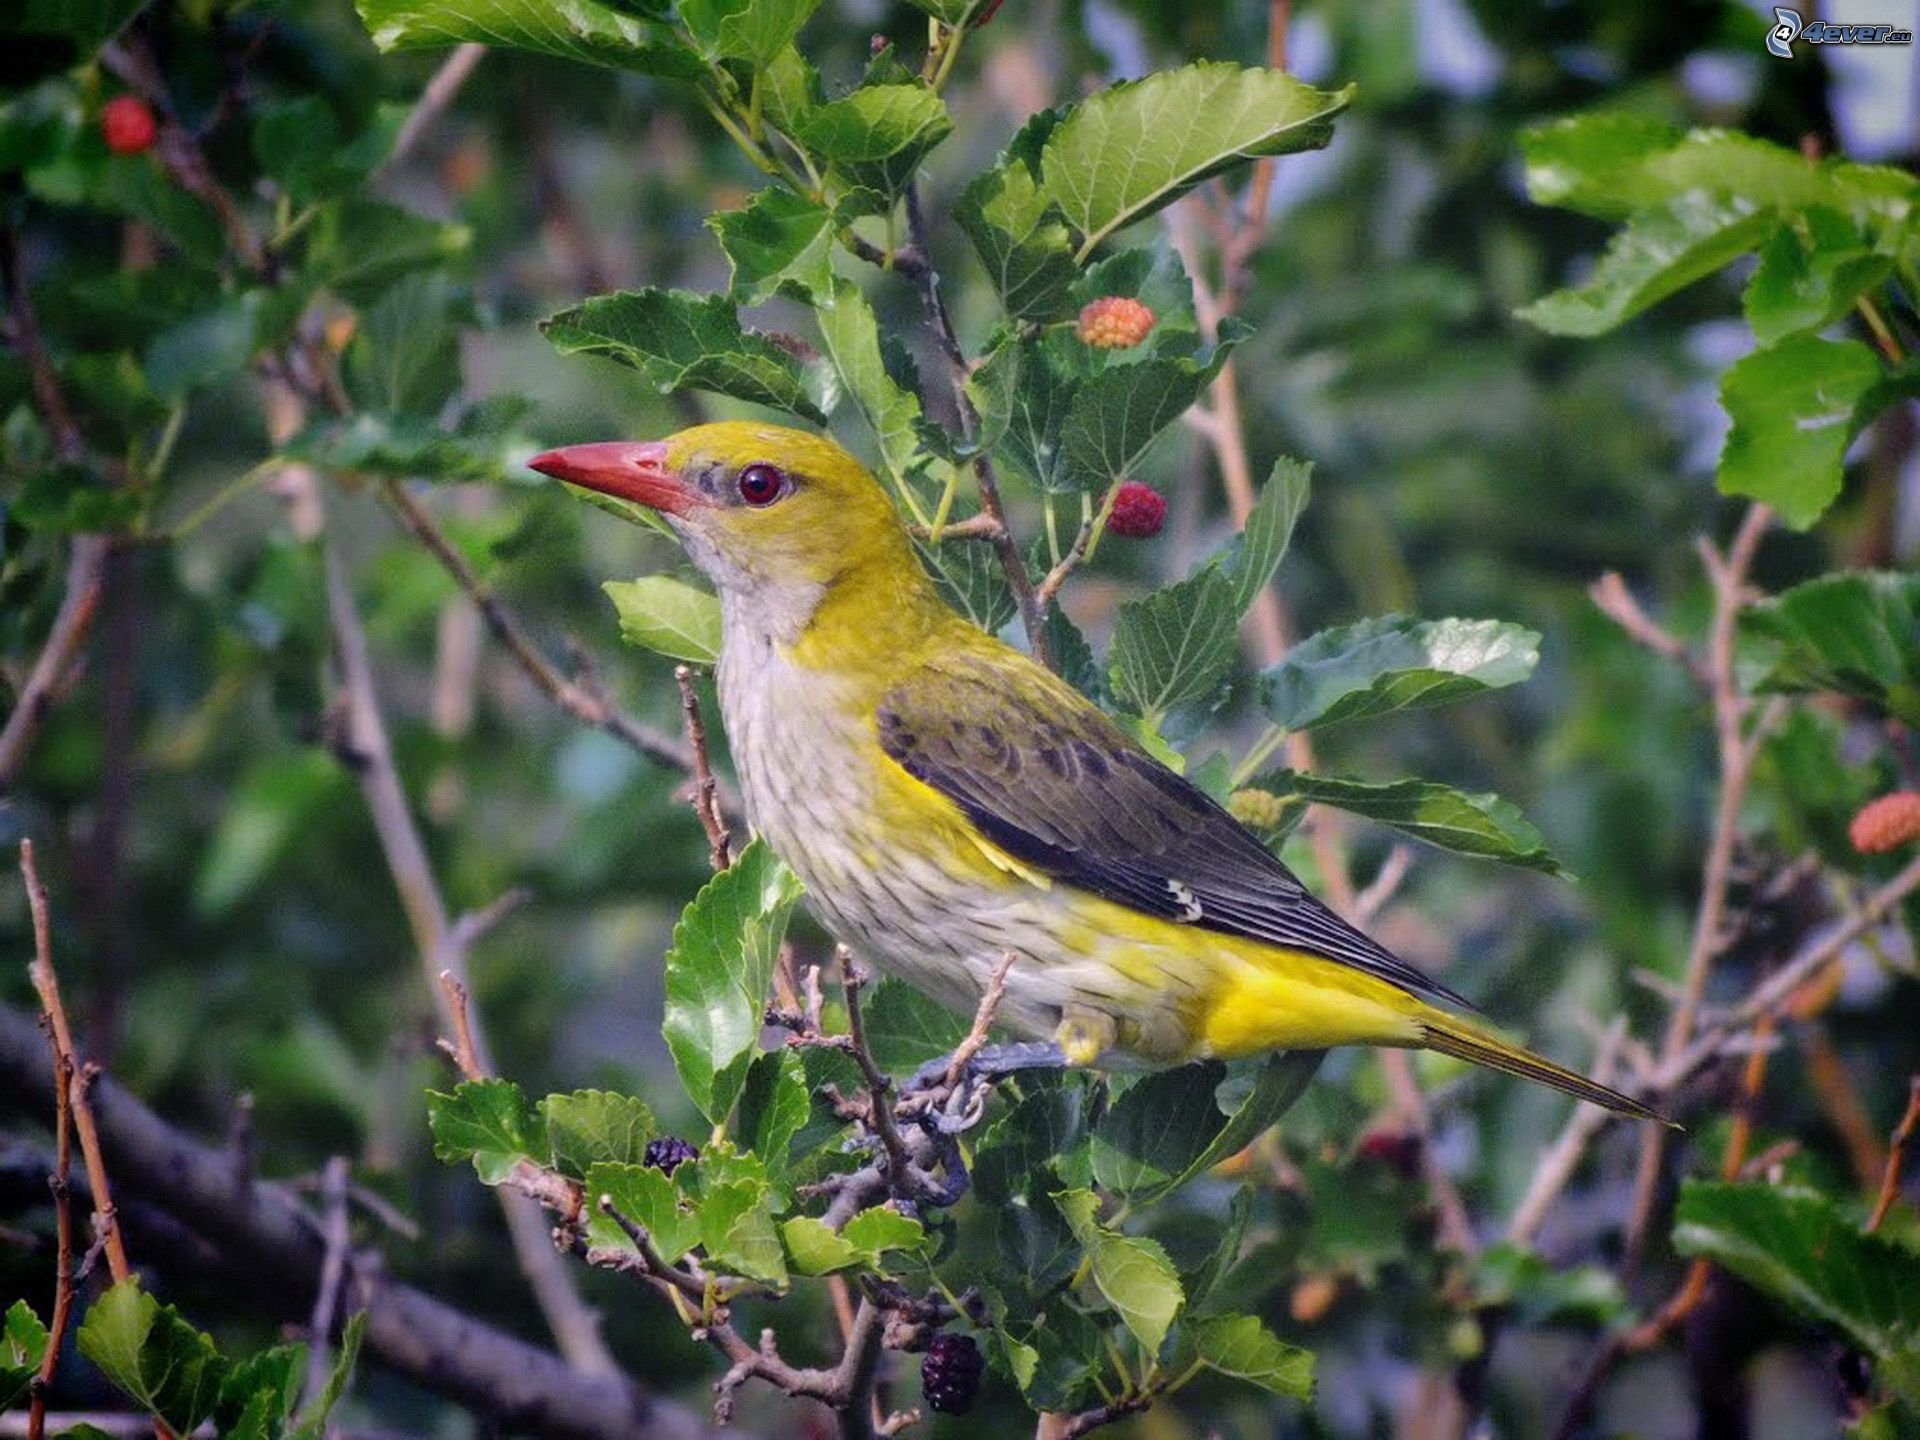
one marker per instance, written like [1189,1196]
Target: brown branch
[879,1087]
[60,1181]
[1896,1157]
[1737,750]
[1033,610]
[1076,552]
[335,1231]
[80,1077]
[585,701]
[1612,597]
[438,93]
[976,1035]
[270,1255]
[706,805]
[441,945]
[1562,1158]
[974,527]
[87,560]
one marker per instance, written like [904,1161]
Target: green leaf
[261,1390]
[1481,825]
[361,246]
[405,354]
[1799,1246]
[730,1194]
[1175,645]
[881,1229]
[162,1363]
[955,13]
[1020,1147]
[23,1345]
[1023,401]
[814,1248]
[1810,274]
[1660,250]
[773,1106]
[1133,1274]
[487,1122]
[205,349]
[1795,408]
[817,1250]
[1856,633]
[584,30]
[313,1425]
[1240,1346]
[906,1029]
[85,25]
[851,337]
[680,341]
[1394,662]
[874,139]
[1250,559]
[591,1127]
[1022,240]
[1543,1292]
[273,802]
[718,970]
[1168,1128]
[755,31]
[1613,165]
[1577,163]
[1133,148]
[668,616]
[779,243]
[1112,420]
[485,445]
[647,1196]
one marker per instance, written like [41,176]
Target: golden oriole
[946,799]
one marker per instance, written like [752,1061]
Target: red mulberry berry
[950,1373]
[1887,823]
[1115,322]
[1138,511]
[128,125]
[669,1153]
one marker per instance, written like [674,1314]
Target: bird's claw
[991,1062]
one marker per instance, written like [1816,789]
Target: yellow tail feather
[1451,1035]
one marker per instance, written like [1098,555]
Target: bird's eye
[761,483]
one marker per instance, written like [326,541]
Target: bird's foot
[990,1062]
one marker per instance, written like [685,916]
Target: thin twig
[706,805]
[438,93]
[1562,1158]
[336,1232]
[80,1077]
[442,946]
[976,1035]
[60,1181]
[1896,1157]
[1612,597]
[582,699]
[879,1087]
[1033,610]
[1736,752]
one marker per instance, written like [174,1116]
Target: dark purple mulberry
[669,1153]
[950,1373]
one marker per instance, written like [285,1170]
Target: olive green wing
[1056,784]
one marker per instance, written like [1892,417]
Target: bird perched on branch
[946,800]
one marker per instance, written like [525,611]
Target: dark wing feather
[1056,784]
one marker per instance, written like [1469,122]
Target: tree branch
[442,946]
[583,700]
[265,1235]
[1033,609]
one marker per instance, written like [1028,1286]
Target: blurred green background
[227,927]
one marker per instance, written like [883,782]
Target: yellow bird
[946,799]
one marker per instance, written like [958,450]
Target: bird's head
[770,513]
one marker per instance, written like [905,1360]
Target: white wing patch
[1188,902]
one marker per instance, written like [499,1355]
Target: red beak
[626,469]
